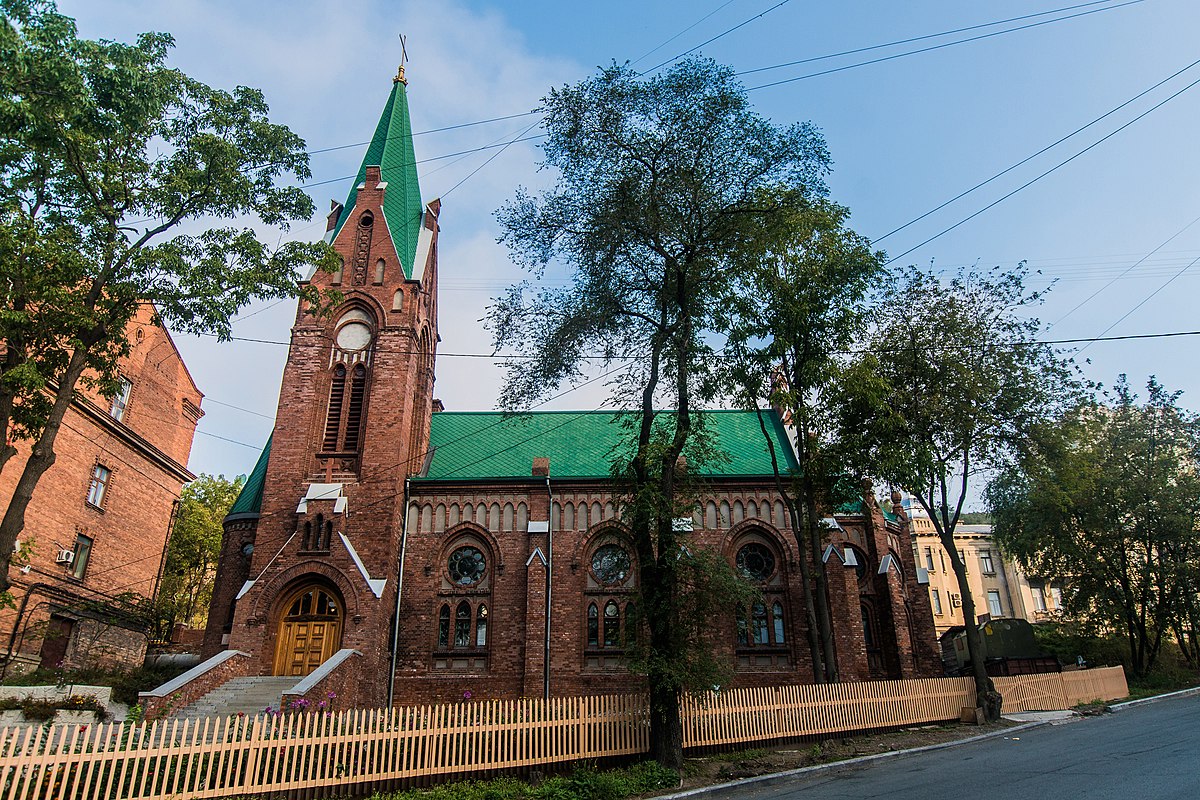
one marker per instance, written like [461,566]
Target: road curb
[1156,698]
[775,777]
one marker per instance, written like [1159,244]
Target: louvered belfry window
[355,409]
[337,397]
[353,337]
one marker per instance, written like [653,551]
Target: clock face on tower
[353,337]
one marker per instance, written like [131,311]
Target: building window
[464,613]
[755,561]
[763,627]
[99,485]
[83,554]
[318,534]
[1039,598]
[120,400]
[985,562]
[962,556]
[936,597]
[466,566]
[1056,596]
[611,565]
[994,607]
[929,559]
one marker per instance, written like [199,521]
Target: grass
[585,783]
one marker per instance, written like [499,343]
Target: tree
[104,150]
[802,307]
[194,548]
[659,183]
[1106,498]
[950,385]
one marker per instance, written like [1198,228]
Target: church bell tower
[319,574]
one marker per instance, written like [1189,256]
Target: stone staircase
[246,695]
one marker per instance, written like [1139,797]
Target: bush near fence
[317,754]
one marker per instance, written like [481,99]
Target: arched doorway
[310,630]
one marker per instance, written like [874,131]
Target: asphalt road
[1150,751]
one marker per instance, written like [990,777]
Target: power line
[1029,158]
[682,32]
[724,33]
[1060,164]
[938,46]
[1129,269]
[918,38]
[1145,300]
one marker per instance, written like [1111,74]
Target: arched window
[462,625]
[380,265]
[593,626]
[612,624]
[464,618]
[611,621]
[444,627]
[337,396]
[398,300]
[344,420]
[481,618]
[761,630]
[354,412]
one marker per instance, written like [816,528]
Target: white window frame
[98,488]
[996,609]
[120,401]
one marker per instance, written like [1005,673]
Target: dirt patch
[748,763]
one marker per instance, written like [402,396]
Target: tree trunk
[40,459]
[986,696]
[821,590]
[666,726]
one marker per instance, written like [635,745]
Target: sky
[1114,231]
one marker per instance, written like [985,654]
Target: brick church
[396,552]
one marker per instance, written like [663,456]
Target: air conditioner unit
[955,601]
[65,556]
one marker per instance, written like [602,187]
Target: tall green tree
[950,384]
[801,309]
[195,546]
[660,181]
[1107,498]
[105,151]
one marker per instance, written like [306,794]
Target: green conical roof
[250,499]
[391,150]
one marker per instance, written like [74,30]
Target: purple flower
[333,696]
[467,694]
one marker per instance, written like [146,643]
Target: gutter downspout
[399,589]
[549,585]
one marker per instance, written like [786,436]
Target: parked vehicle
[1009,648]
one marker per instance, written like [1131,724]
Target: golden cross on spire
[403,59]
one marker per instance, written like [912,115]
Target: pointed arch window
[337,397]
[464,610]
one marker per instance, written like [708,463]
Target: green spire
[391,149]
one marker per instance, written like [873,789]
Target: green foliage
[661,183]
[194,549]
[105,151]
[1105,496]
[585,783]
[949,387]
[800,308]
[44,710]
[125,683]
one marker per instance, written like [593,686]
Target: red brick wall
[129,530]
[238,666]
[395,434]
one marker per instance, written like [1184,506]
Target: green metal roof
[250,499]
[391,150]
[489,445]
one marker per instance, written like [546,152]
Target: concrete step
[248,696]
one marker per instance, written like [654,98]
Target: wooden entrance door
[310,631]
